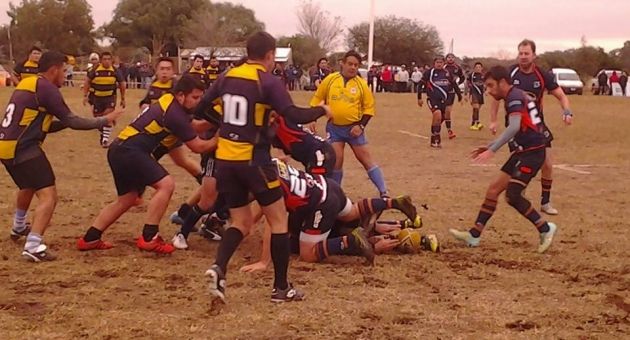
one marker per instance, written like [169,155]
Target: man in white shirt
[416,78]
[403,79]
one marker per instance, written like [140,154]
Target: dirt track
[501,290]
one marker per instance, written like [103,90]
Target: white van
[568,80]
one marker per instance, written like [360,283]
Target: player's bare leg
[472,236]
[436,127]
[546,181]
[181,159]
[475,124]
[362,153]
[34,249]
[447,122]
[23,201]
[337,174]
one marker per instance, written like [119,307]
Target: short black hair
[34,48]
[198,56]
[50,59]
[352,53]
[528,42]
[497,73]
[186,84]
[438,57]
[106,54]
[321,59]
[450,55]
[213,57]
[259,44]
[167,59]
[478,63]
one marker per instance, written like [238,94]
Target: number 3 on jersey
[234,109]
[8,118]
[533,113]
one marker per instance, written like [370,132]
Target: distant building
[226,55]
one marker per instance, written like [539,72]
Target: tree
[306,50]
[622,55]
[316,23]
[221,24]
[397,40]
[152,24]
[63,25]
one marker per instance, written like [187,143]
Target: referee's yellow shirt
[349,100]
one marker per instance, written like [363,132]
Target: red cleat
[451,134]
[94,245]
[156,245]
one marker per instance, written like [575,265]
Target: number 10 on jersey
[234,109]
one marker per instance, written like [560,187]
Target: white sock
[33,240]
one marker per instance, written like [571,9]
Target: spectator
[387,78]
[614,78]
[370,77]
[416,78]
[602,82]
[321,71]
[623,81]
[403,79]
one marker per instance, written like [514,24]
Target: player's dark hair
[197,56]
[497,73]
[186,84]
[106,54]
[478,63]
[450,55]
[438,57]
[213,57]
[241,61]
[34,48]
[530,43]
[259,44]
[167,59]
[352,53]
[50,59]
[320,60]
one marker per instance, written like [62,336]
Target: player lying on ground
[315,204]
[524,133]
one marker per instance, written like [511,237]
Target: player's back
[244,93]
[530,135]
[301,190]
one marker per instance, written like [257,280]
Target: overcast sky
[479,27]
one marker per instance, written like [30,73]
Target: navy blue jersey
[295,141]
[475,83]
[530,135]
[534,84]
[456,71]
[438,84]
[303,192]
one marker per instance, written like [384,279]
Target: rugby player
[458,75]
[474,94]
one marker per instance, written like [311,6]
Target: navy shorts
[525,165]
[341,134]
[101,104]
[34,174]
[450,99]
[236,180]
[436,104]
[133,170]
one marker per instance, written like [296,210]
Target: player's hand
[112,116]
[122,103]
[493,127]
[85,101]
[567,117]
[386,229]
[329,113]
[144,107]
[356,131]
[254,267]
[384,245]
[477,151]
[311,127]
[484,156]
[420,102]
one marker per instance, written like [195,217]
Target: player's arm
[51,99]
[146,101]
[514,125]
[423,84]
[455,86]
[494,113]
[460,76]
[567,114]
[321,94]
[15,75]
[280,100]
[181,127]
[86,86]
[122,86]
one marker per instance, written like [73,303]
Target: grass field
[501,290]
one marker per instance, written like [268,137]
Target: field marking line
[412,134]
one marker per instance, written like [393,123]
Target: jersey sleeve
[19,68]
[515,105]
[179,125]
[50,98]
[550,81]
[119,76]
[275,93]
[322,92]
[91,74]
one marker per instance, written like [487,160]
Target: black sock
[546,191]
[191,219]
[485,213]
[475,116]
[231,239]
[183,210]
[435,133]
[92,234]
[149,231]
[448,124]
[280,248]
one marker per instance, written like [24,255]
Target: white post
[371,40]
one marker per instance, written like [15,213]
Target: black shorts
[208,165]
[101,104]
[476,98]
[436,104]
[525,165]
[322,218]
[34,174]
[236,180]
[321,161]
[450,99]
[133,170]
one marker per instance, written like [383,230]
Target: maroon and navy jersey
[456,71]
[438,83]
[530,135]
[302,191]
[475,83]
[164,122]
[248,94]
[534,84]
[294,141]
[28,117]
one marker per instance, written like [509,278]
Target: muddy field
[501,290]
